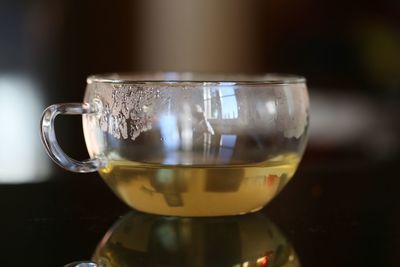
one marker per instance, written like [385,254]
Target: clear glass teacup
[189,144]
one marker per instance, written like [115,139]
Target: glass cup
[189,144]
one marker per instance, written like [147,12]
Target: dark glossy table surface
[335,213]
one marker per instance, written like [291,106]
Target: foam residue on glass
[129,112]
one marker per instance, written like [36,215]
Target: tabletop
[334,213]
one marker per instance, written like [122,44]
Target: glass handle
[50,141]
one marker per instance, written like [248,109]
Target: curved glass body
[148,240]
[190,145]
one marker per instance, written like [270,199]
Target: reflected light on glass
[226,147]
[229,104]
[168,237]
[22,158]
[187,128]
[169,132]
[169,137]
[271,107]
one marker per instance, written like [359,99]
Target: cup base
[195,214]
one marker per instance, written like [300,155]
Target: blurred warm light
[263,261]
[22,158]
[349,120]
[339,118]
[197,35]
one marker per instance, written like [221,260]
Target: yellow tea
[208,190]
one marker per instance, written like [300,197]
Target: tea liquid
[199,190]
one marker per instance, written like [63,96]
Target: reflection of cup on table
[189,145]
[147,240]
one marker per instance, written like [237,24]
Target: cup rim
[194,78]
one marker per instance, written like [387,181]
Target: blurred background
[348,51]
[350,54]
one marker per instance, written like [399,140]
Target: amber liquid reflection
[145,240]
[199,190]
